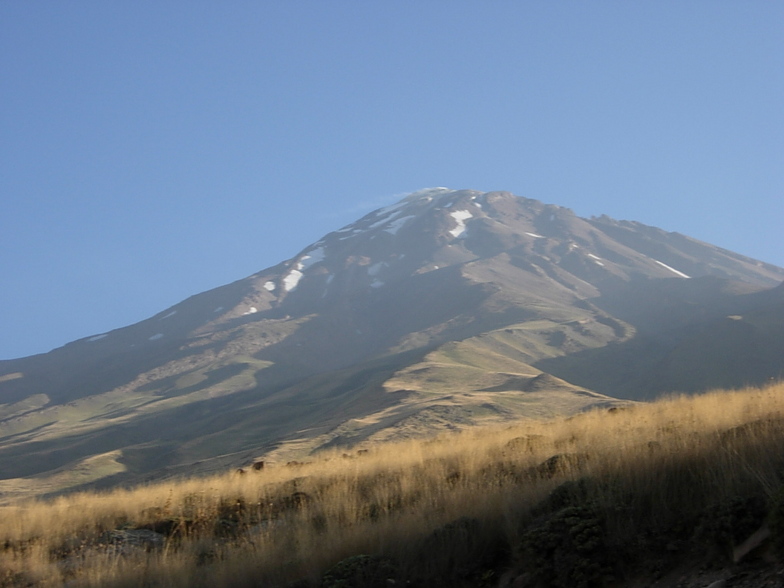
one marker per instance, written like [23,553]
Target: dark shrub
[728,523]
[459,552]
[776,521]
[568,549]
[360,571]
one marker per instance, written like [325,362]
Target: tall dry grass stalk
[644,465]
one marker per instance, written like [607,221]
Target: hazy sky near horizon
[153,150]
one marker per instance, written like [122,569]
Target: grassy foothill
[598,499]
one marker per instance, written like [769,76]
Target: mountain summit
[447,309]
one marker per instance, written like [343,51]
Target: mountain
[445,310]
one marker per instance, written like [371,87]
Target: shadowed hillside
[690,337]
[683,491]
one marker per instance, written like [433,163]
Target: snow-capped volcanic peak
[427,194]
[391,219]
[439,227]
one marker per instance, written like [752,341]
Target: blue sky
[153,150]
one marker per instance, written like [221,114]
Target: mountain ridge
[435,312]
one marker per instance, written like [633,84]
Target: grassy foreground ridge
[598,499]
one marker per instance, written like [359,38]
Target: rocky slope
[445,310]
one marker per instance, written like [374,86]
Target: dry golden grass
[647,465]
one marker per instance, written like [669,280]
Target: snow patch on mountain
[172,313]
[385,218]
[156,337]
[311,258]
[303,263]
[596,259]
[673,270]
[393,207]
[98,337]
[269,286]
[350,229]
[351,234]
[396,225]
[292,279]
[374,269]
[392,215]
[460,217]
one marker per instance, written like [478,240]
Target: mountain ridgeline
[446,310]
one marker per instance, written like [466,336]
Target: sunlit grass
[643,466]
